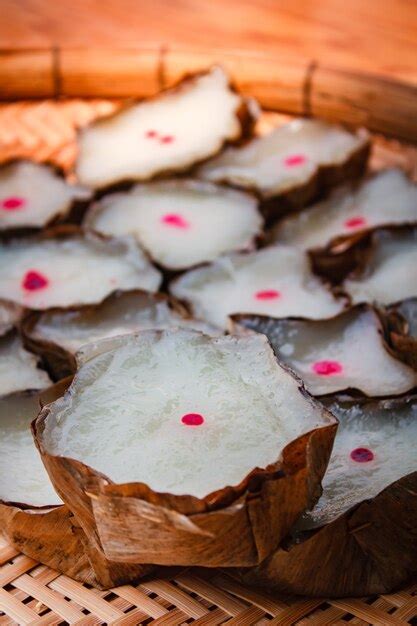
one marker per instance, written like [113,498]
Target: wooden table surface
[371,35]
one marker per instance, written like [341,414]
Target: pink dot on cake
[327,368]
[192,419]
[355,222]
[12,203]
[34,280]
[294,160]
[362,455]
[175,220]
[267,294]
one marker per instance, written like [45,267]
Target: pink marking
[33,280]
[355,222]
[153,134]
[327,368]
[175,220]
[294,160]
[192,419]
[12,203]
[267,294]
[362,455]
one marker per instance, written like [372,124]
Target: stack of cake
[216,308]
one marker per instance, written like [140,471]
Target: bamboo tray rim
[161,50]
[280,81]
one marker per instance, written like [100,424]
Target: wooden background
[379,36]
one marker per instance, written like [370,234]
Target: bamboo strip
[292,614]
[26,74]
[20,566]
[114,74]
[211,593]
[94,603]
[139,598]
[47,596]
[252,595]
[216,616]
[378,617]
[175,595]
[382,105]
[247,617]
[15,609]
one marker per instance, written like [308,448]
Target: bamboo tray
[31,593]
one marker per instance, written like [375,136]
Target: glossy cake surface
[18,368]
[193,403]
[46,273]
[33,195]
[390,274]
[287,157]
[180,223]
[387,198]
[23,478]
[275,281]
[120,314]
[167,133]
[347,352]
[374,447]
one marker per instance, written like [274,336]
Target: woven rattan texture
[34,594]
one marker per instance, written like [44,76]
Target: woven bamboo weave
[34,594]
